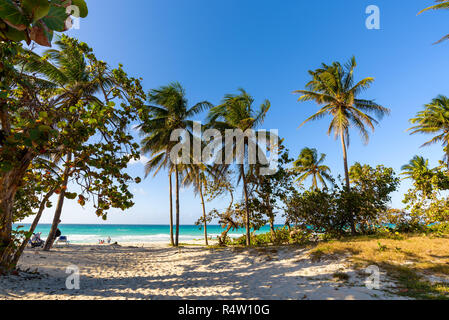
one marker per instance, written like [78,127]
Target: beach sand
[157,271]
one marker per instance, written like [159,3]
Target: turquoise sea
[92,233]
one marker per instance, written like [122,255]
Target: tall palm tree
[169,111]
[434,120]
[309,165]
[441,4]
[237,112]
[333,87]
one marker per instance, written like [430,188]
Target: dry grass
[407,259]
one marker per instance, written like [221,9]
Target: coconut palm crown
[310,165]
[434,120]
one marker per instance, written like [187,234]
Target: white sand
[156,271]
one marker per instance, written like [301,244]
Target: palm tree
[309,165]
[434,120]
[67,68]
[418,170]
[169,111]
[333,87]
[237,112]
[441,4]
[417,166]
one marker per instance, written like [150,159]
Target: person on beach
[36,241]
[58,232]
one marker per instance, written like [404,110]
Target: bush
[281,236]
[401,221]
[439,229]
[319,212]
[332,212]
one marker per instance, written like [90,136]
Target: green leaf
[82,6]
[34,134]
[70,195]
[5,166]
[55,20]
[15,35]
[44,128]
[12,15]
[38,9]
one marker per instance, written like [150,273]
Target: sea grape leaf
[15,35]
[56,18]
[38,9]
[12,15]
[41,35]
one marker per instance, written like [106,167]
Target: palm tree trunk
[33,226]
[348,184]
[247,225]
[447,156]
[270,217]
[204,214]
[177,205]
[56,219]
[172,241]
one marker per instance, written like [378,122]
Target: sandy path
[159,272]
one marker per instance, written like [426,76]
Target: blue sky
[267,47]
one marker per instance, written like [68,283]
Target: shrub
[332,212]
[319,212]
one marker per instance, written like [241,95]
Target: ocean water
[92,233]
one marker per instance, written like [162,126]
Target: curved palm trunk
[177,205]
[204,215]
[172,241]
[52,235]
[348,184]
[33,226]
[247,225]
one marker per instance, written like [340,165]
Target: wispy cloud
[139,191]
[143,160]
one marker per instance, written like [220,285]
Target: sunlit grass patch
[407,260]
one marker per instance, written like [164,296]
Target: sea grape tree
[92,135]
[37,20]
